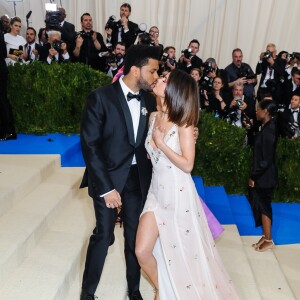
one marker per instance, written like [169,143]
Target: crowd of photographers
[229,93]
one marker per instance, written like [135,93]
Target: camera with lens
[145,39]
[111,58]
[164,57]
[267,54]
[206,82]
[294,55]
[208,68]
[57,45]
[111,22]
[187,53]
[233,115]
[238,103]
[245,72]
[84,34]
[172,61]
[52,20]
[109,47]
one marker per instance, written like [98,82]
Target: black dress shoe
[9,136]
[85,296]
[136,295]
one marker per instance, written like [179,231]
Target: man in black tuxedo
[113,131]
[289,119]
[32,49]
[7,128]
[67,29]
[124,30]
[272,70]
[189,59]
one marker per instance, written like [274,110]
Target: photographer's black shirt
[89,55]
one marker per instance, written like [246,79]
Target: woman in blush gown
[174,245]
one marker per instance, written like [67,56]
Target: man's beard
[144,85]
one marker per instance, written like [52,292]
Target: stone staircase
[45,223]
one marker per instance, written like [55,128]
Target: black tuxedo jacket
[279,69]
[67,32]
[263,167]
[128,37]
[107,141]
[284,120]
[37,47]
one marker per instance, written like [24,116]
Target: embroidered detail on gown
[189,266]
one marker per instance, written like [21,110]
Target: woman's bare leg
[146,237]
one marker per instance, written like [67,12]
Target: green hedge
[223,159]
[50,98]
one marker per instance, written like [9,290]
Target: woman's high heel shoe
[262,239]
[266,245]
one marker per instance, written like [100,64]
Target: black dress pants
[103,235]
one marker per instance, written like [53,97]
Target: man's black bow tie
[134,96]
[295,111]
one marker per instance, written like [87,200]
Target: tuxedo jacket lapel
[126,112]
[143,121]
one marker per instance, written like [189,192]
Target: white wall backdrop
[219,25]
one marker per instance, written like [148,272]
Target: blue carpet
[217,201]
[229,209]
[68,146]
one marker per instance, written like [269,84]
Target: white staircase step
[113,280]
[52,265]
[22,227]
[20,174]
[231,249]
[270,279]
[289,258]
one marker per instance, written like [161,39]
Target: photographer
[168,60]
[189,59]
[88,44]
[289,119]
[55,50]
[238,71]
[241,111]
[290,87]
[294,62]
[154,33]
[123,30]
[272,70]
[210,70]
[114,60]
